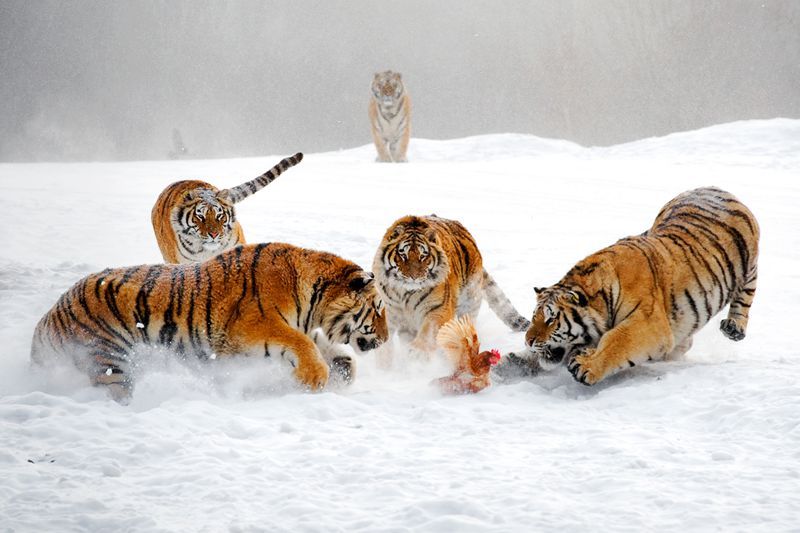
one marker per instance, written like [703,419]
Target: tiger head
[387,88]
[355,314]
[207,217]
[411,254]
[563,324]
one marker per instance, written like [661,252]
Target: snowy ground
[710,443]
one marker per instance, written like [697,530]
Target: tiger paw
[313,374]
[731,329]
[585,368]
[343,370]
[516,366]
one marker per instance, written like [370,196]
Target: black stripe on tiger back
[142,311]
[317,293]
[102,324]
[168,330]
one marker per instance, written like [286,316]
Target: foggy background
[86,80]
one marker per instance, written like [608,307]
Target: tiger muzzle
[366,345]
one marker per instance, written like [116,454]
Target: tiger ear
[538,291]
[224,194]
[188,196]
[398,229]
[361,280]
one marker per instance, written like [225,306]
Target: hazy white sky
[86,80]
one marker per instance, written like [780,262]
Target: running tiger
[193,220]
[263,300]
[390,117]
[645,296]
[429,270]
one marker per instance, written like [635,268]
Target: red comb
[495,357]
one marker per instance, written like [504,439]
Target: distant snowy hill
[708,443]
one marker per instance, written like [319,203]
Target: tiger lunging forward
[429,270]
[264,300]
[193,220]
[390,117]
[645,296]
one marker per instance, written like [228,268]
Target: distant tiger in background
[390,117]
[262,300]
[429,270]
[193,220]
[645,296]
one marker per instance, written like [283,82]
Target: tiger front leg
[384,155]
[522,364]
[635,340]
[381,146]
[425,341]
[310,369]
[275,337]
[398,149]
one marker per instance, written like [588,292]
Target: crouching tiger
[265,300]
[645,296]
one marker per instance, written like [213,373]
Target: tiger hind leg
[735,325]
[107,371]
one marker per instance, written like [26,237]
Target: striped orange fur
[644,297]
[429,270]
[263,300]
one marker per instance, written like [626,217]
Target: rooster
[459,340]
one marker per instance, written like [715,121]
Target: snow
[708,443]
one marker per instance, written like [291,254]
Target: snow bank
[707,443]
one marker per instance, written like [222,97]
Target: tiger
[261,300]
[193,220]
[644,297]
[429,270]
[390,117]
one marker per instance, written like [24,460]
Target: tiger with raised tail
[262,300]
[429,270]
[644,297]
[390,117]
[193,220]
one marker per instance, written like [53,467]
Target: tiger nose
[213,234]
